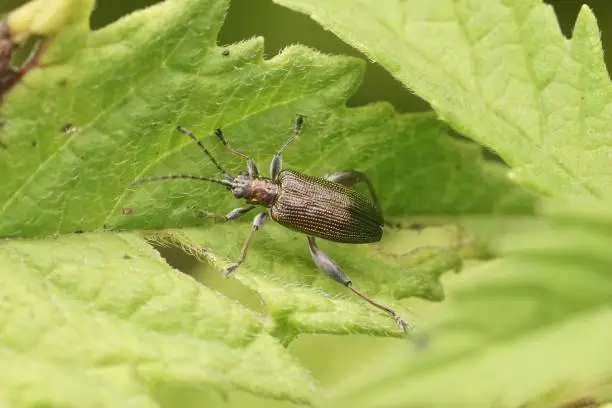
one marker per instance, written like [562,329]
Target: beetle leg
[277,161]
[238,212]
[221,137]
[331,268]
[251,166]
[351,177]
[257,224]
[326,264]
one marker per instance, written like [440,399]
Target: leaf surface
[531,328]
[101,108]
[502,73]
[122,322]
[98,110]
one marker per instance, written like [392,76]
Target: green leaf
[502,73]
[530,329]
[97,110]
[117,323]
[109,111]
[280,270]
[70,167]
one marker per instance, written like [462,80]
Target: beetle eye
[238,192]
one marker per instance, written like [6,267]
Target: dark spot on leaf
[127,210]
[62,82]
[79,231]
[205,250]
[105,226]
[127,257]
[391,224]
[225,52]
[69,129]
[585,402]
[34,142]
[417,226]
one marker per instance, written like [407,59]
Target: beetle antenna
[180,177]
[189,133]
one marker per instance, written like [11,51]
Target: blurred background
[281,27]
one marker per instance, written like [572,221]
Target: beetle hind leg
[404,325]
[331,268]
[350,178]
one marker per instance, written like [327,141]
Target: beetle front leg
[277,161]
[251,165]
[258,222]
[331,268]
[238,212]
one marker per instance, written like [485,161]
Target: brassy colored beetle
[327,208]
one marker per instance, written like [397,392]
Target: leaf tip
[524,176]
[586,22]
[586,32]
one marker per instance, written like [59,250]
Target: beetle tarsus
[405,326]
[230,269]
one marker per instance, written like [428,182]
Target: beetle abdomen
[324,209]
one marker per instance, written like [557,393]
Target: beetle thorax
[255,191]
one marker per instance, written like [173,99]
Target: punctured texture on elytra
[324,209]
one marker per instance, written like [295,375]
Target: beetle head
[241,185]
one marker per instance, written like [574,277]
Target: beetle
[328,208]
